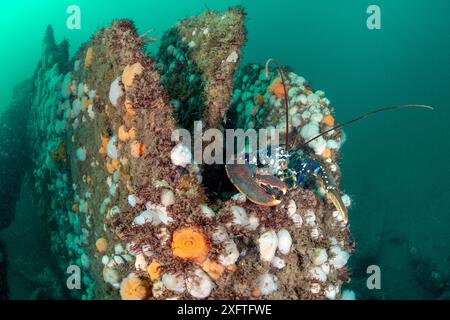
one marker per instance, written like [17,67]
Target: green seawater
[395,165]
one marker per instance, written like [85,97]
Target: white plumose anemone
[154,214]
[141,262]
[115,92]
[339,257]
[317,273]
[231,253]
[267,283]
[318,256]
[268,243]
[240,216]
[111,276]
[174,282]
[181,155]
[207,211]
[309,131]
[199,284]
[132,200]
[278,263]
[331,292]
[167,198]
[284,241]
[111,149]
[81,154]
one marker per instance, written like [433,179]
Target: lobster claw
[265,190]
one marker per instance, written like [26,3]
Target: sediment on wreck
[198,58]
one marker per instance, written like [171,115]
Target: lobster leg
[304,167]
[328,184]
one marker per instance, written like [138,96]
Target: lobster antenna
[286,98]
[368,115]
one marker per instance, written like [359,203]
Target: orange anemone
[154,270]
[112,166]
[307,92]
[277,88]
[129,108]
[132,133]
[133,288]
[130,72]
[105,142]
[328,120]
[214,269]
[124,161]
[232,268]
[137,149]
[256,293]
[326,153]
[190,243]
[101,245]
[123,134]
[86,102]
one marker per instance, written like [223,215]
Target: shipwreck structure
[126,204]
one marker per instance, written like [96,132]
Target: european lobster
[266,182]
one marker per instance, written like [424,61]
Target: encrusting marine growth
[139,216]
